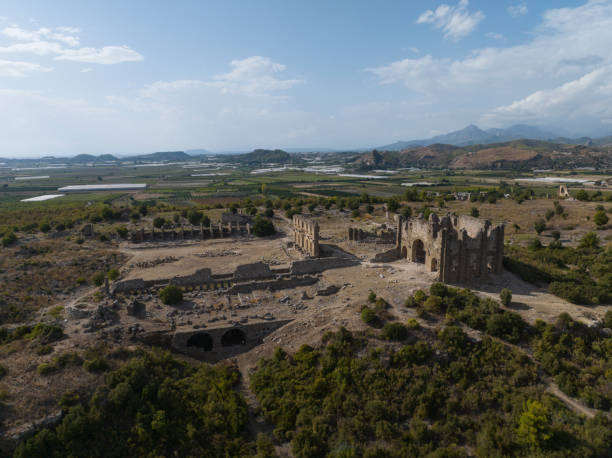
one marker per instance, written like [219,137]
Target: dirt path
[572,403]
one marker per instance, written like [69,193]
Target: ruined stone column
[248,228]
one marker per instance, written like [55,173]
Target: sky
[145,75]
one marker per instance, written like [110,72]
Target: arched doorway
[418,251]
[434,265]
[404,252]
[233,337]
[201,340]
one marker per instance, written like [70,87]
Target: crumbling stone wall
[190,232]
[306,235]
[563,192]
[383,236]
[254,271]
[458,247]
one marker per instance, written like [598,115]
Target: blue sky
[141,76]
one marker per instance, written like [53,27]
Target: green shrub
[600,218]
[3,371]
[395,331]
[97,364]
[589,240]
[57,311]
[46,368]
[158,222]
[412,323]
[263,227]
[9,239]
[371,297]
[98,278]
[368,315]
[539,225]
[113,274]
[420,296]
[505,296]
[122,231]
[171,295]
[44,227]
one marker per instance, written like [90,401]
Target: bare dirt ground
[220,255]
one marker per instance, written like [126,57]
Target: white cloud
[16,68]
[253,75]
[570,43]
[576,101]
[495,36]
[87,70]
[455,21]
[517,10]
[63,42]
[107,55]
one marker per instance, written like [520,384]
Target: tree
[368,315]
[122,231]
[263,227]
[582,195]
[158,222]
[533,428]
[393,205]
[264,188]
[406,211]
[505,296]
[600,218]
[194,217]
[474,212]
[171,295]
[539,225]
[556,235]
[590,240]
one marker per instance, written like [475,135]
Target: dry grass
[38,273]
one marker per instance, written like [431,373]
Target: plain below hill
[518,154]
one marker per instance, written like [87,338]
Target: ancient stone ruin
[306,235]
[460,248]
[245,279]
[190,232]
[563,192]
[380,236]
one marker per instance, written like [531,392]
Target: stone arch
[418,251]
[233,337]
[201,340]
[404,252]
[434,265]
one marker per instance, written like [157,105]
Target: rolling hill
[517,154]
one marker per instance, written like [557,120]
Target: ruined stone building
[459,247]
[563,192]
[306,235]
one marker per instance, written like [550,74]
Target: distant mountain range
[516,154]
[473,135]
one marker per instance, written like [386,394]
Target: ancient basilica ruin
[458,247]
